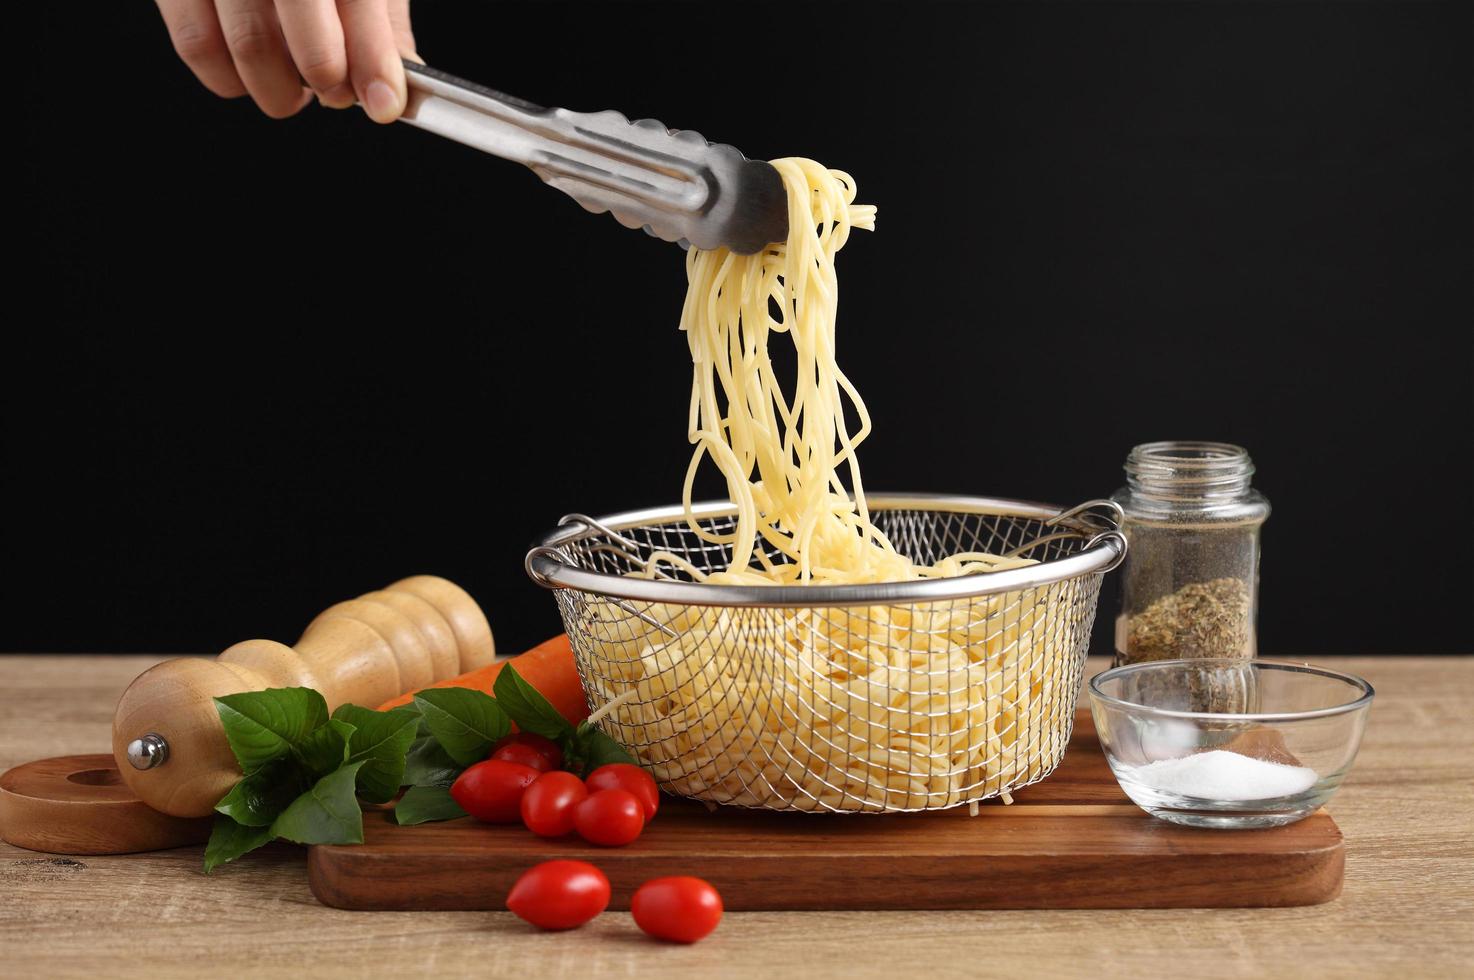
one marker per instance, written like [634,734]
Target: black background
[255,367]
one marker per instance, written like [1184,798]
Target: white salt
[1220,775]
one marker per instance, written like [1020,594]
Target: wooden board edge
[1226,879]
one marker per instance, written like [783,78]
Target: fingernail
[380,102]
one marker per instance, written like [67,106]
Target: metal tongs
[672,183]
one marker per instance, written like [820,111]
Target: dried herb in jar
[1201,619]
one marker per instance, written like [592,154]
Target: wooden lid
[79,804]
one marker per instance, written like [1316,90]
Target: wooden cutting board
[1072,841]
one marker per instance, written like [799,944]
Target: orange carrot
[547,667]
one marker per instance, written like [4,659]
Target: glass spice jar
[1190,581]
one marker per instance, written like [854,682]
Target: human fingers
[374,62]
[194,30]
[253,35]
[403,34]
[314,37]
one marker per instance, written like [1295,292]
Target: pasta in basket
[824,708]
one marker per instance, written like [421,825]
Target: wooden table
[1407,810]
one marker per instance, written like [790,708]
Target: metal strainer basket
[888,697]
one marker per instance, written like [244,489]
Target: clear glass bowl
[1229,743]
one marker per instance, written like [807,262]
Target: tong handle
[480,117]
[577,152]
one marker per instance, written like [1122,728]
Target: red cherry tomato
[611,817]
[679,909]
[492,790]
[528,749]
[559,894]
[631,779]
[548,804]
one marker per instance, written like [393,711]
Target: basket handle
[1078,521]
[1114,534]
[553,554]
[544,553]
[1109,524]
[1084,511]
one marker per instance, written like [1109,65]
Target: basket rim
[1101,555]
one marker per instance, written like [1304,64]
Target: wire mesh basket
[889,697]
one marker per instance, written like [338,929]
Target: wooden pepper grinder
[167,738]
[171,763]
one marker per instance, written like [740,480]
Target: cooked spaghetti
[784,457]
[877,707]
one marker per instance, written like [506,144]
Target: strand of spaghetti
[789,461]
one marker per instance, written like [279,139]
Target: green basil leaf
[256,799]
[422,804]
[466,723]
[229,840]
[380,740]
[265,725]
[527,707]
[427,764]
[597,749]
[325,749]
[327,813]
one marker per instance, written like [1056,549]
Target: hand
[344,50]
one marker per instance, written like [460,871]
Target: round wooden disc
[79,804]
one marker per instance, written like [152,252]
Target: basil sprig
[304,772]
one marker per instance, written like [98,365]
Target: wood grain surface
[1073,841]
[1406,809]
